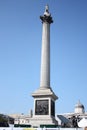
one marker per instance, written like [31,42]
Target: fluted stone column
[44,97]
[45,57]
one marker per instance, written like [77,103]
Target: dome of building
[79,108]
[79,105]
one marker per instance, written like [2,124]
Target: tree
[3,121]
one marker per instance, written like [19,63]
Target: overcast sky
[20,53]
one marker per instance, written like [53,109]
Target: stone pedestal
[44,107]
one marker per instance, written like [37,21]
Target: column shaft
[45,57]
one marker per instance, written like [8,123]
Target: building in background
[72,119]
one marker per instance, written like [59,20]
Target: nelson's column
[44,97]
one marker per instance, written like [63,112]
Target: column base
[43,121]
